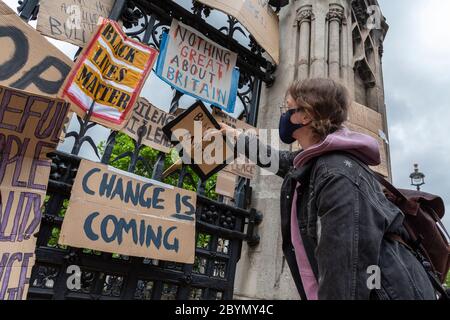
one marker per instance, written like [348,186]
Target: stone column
[262,272]
[303,22]
[335,18]
[319,40]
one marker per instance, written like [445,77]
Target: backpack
[428,238]
[423,214]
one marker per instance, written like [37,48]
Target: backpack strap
[400,199]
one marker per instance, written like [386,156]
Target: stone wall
[316,41]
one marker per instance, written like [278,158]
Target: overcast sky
[417,85]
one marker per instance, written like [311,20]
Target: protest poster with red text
[196,66]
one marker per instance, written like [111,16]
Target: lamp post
[417,178]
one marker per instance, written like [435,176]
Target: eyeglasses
[284,108]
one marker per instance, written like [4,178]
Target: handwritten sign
[198,67]
[73,21]
[29,61]
[242,166]
[147,117]
[109,74]
[257,17]
[118,212]
[30,126]
[187,132]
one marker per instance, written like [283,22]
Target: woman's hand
[224,130]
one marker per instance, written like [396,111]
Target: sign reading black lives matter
[30,127]
[206,156]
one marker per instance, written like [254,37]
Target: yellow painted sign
[109,75]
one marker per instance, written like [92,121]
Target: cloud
[417,85]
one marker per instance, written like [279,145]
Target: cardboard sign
[30,126]
[147,117]
[187,132]
[28,61]
[198,67]
[109,74]
[222,117]
[242,166]
[73,21]
[257,17]
[114,211]
[226,184]
[383,167]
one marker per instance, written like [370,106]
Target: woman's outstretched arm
[275,161]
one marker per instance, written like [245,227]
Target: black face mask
[287,128]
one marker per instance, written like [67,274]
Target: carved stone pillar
[335,18]
[303,22]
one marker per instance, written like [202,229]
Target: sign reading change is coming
[198,67]
[257,17]
[109,76]
[119,212]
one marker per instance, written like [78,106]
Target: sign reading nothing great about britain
[109,75]
[198,67]
[73,21]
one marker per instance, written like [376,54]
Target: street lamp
[417,178]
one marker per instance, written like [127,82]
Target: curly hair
[326,101]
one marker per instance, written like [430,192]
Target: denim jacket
[343,216]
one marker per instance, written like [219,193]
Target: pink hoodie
[361,146]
